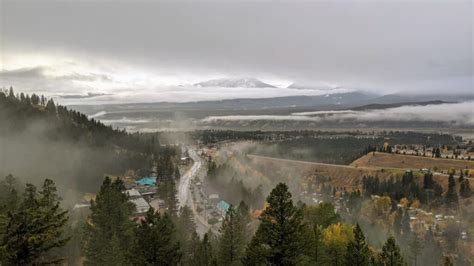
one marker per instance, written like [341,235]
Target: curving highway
[184,193]
[183,188]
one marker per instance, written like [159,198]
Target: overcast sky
[151,47]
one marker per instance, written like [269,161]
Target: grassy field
[386,160]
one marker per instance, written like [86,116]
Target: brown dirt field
[348,176]
[412,162]
[341,175]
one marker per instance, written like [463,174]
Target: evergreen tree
[451,195]
[35,228]
[9,198]
[192,255]
[35,99]
[205,255]
[231,243]
[315,251]
[358,249]
[390,255]
[186,229]
[11,94]
[113,254]
[438,194]
[465,188]
[109,220]
[186,224]
[165,167]
[322,214]
[30,197]
[167,192]
[428,182]
[461,177]
[279,237]
[258,252]
[154,242]
[51,107]
[243,214]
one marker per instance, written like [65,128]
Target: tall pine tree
[279,237]
[205,254]
[391,255]
[166,190]
[464,187]
[358,249]
[243,213]
[451,195]
[186,229]
[35,229]
[231,243]
[108,221]
[155,241]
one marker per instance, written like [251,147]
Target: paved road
[184,181]
[184,192]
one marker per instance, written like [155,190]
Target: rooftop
[141,205]
[223,206]
[147,181]
[133,193]
[213,196]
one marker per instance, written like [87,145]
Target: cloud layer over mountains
[150,49]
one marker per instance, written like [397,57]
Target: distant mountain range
[336,101]
[235,83]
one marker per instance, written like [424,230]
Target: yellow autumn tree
[404,202]
[335,240]
[382,206]
[416,204]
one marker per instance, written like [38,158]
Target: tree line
[34,231]
[429,193]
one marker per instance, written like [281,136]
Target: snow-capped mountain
[235,83]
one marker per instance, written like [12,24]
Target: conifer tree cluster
[31,223]
[32,229]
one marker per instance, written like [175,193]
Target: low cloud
[458,113]
[331,112]
[28,73]
[124,120]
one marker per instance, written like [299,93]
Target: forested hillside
[53,141]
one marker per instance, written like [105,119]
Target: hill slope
[39,139]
